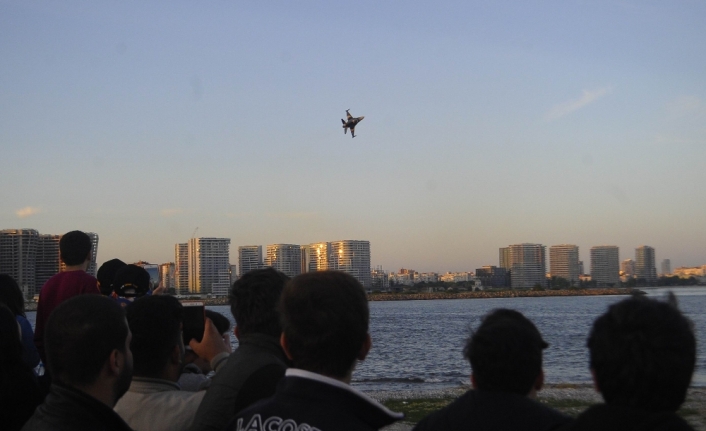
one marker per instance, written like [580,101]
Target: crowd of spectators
[115,358]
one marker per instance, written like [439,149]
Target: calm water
[418,344]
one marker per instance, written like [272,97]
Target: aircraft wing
[348,115]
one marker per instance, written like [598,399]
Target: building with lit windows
[352,257]
[249,258]
[564,262]
[285,257]
[181,268]
[209,265]
[504,258]
[605,265]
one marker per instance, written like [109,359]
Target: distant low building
[492,276]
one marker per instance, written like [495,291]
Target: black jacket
[310,401]
[606,417]
[491,411]
[250,374]
[70,409]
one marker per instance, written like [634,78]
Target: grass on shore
[417,409]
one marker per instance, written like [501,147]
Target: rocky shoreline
[478,294]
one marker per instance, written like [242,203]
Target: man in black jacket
[87,344]
[253,370]
[325,331]
[642,354]
[506,360]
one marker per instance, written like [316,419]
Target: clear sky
[487,123]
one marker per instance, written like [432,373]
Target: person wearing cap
[505,353]
[130,282]
[106,275]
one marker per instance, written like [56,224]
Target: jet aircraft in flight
[351,123]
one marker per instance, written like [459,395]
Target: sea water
[419,344]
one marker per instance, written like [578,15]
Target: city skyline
[180,249]
[486,124]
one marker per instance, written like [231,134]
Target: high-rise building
[181,268]
[352,257]
[564,262]
[249,258]
[527,265]
[318,256]
[504,258]
[209,265]
[627,267]
[18,257]
[48,262]
[166,276]
[645,264]
[285,257]
[605,265]
[666,267]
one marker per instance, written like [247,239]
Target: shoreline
[478,294]
[569,398]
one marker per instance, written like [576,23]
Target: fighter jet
[351,123]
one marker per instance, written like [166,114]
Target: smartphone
[194,321]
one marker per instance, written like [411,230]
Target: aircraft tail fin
[343,121]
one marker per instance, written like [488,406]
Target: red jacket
[56,290]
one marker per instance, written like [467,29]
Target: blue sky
[486,124]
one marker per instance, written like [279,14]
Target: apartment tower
[645,264]
[527,265]
[18,258]
[605,265]
[564,262]
[285,257]
[209,265]
[249,258]
[181,268]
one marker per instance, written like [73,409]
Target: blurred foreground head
[87,343]
[253,301]
[131,281]
[325,322]
[505,353]
[643,353]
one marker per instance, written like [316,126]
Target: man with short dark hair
[154,401]
[253,370]
[642,357]
[325,331]
[88,353]
[505,353]
[75,252]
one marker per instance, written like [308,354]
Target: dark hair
[643,353]
[10,343]
[131,281]
[11,295]
[220,321]
[74,247]
[505,352]
[325,321]
[81,334]
[253,301]
[106,275]
[155,322]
